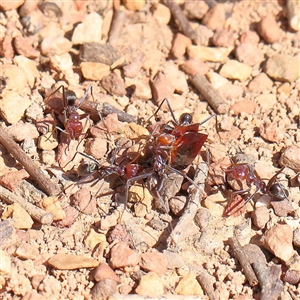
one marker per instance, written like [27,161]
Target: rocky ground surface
[64,234]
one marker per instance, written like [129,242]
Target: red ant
[243,172]
[72,124]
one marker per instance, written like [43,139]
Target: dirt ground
[73,226]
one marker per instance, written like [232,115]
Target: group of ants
[170,148]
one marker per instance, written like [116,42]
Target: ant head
[185,119]
[70,97]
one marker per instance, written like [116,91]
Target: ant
[72,125]
[243,172]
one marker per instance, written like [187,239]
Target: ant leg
[85,95]
[170,109]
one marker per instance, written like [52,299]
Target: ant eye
[185,119]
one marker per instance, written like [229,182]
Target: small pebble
[208,53]
[279,240]
[162,14]
[283,68]
[84,201]
[155,262]
[296,237]
[150,285]
[6,47]
[284,89]
[223,38]
[29,68]
[180,43]
[293,11]
[90,30]
[12,179]
[246,106]
[103,289]
[177,204]
[250,37]
[21,131]
[193,67]
[48,157]
[97,147]
[290,158]
[72,262]
[188,285]
[55,46]
[5,262]
[27,251]
[15,80]
[270,132]
[24,47]
[260,217]
[266,101]
[47,142]
[195,9]
[269,30]
[203,35]
[249,54]
[94,71]
[93,239]
[10,5]
[70,216]
[162,87]
[260,84]
[103,271]
[114,84]
[215,18]
[134,5]
[233,69]
[292,277]
[282,208]
[20,217]
[122,256]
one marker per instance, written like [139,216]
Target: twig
[271,285]
[116,27]
[206,282]
[181,19]
[210,94]
[44,182]
[35,212]
[105,109]
[181,231]
[243,259]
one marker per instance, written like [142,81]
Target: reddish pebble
[24,47]
[71,216]
[260,216]
[249,54]
[290,158]
[96,147]
[268,29]
[282,208]
[292,277]
[223,38]
[6,47]
[270,132]
[154,261]
[13,179]
[250,37]
[180,43]
[193,67]
[246,106]
[114,84]
[215,18]
[195,9]
[162,87]
[122,256]
[119,233]
[84,201]
[103,271]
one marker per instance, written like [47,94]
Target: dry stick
[105,109]
[210,94]
[44,182]
[179,16]
[181,230]
[269,280]
[242,257]
[206,282]
[35,212]
[116,27]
